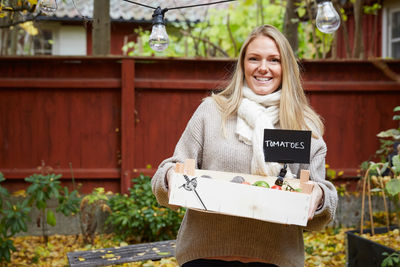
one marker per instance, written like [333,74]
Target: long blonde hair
[295,113]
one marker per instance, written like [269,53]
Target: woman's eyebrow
[258,53]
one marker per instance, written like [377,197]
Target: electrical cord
[179,7]
[143,5]
[139,4]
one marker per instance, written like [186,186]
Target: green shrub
[13,219]
[138,217]
[44,188]
[391,260]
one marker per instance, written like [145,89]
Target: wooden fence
[102,120]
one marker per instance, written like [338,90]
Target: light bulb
[158,40]
[328,20]
[47,7]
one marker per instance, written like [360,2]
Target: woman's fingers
[316,198]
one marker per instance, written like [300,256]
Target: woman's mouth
[263,79]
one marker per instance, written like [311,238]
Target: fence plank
[127,123]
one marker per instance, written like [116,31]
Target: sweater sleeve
[189,146]
[326,212]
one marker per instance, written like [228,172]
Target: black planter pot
[363,252]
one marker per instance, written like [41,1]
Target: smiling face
[262,66]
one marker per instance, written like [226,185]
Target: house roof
[125,11]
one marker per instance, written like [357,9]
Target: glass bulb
[48,7]
[328,19]
[158,40]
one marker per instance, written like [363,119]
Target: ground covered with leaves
[392,238]
[325,248]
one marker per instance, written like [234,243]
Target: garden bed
[367,249]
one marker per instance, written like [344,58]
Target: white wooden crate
[220,195]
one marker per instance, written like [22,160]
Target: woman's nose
[263,66]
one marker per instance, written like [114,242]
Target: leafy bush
[44,188]
[389,140]
[391,260]
[13,217]
[385,175]
[13,220]
[138,217]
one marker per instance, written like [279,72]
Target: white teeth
[262,79]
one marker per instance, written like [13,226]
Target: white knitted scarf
[256,113]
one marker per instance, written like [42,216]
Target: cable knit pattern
[207,235]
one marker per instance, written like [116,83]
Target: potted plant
[382,179]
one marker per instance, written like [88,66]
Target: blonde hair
[295,113]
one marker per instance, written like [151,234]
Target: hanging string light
[159,39]
[327,21]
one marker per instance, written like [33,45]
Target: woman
[224,134]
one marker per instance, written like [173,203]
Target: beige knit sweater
[208,235]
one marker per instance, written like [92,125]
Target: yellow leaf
[81,259]
[19,193]
[123,244]
[107,256]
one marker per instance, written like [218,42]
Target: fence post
[127,123]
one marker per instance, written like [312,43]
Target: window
[394,34]
[43,43]
[391,29]
[60,39]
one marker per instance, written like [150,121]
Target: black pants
[220,263]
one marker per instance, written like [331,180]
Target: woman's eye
[252,58]
[275,60]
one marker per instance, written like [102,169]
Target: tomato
[277,187]
[262,184]
[245,182]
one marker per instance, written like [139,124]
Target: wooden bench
[120,255]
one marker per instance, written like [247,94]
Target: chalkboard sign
[287,146]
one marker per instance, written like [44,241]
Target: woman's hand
[170,173]
[168,177]
[316,200]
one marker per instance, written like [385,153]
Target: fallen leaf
[107,256]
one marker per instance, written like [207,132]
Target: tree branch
[344,28]
[20,21]
[380,64]
[231,35]
[358,49]
[207,42]
[188,24]
[314,35]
